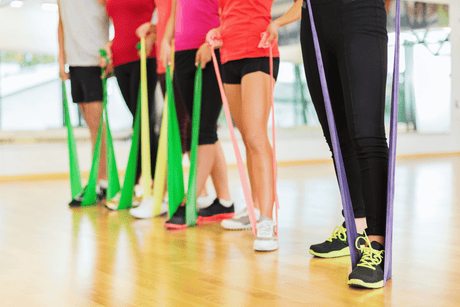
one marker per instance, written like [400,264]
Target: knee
[255,142]
[371,147]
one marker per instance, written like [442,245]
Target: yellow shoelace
[339,232]
[371,257]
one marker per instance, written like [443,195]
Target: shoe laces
[370,257]
[265,229]
[339,232]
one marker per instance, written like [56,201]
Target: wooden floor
[51,255]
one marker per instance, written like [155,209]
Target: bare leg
[361,224]
[92,114]
[250,107]
[380,239]
[204,191]
[219,174]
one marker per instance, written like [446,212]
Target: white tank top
[86,30]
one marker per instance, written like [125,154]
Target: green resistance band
[175,171]
[75,176]
[191,213]
[112,170]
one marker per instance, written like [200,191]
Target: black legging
[353,40]
[128,77]
[211,101]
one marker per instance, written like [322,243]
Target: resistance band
[190,208]
[175,171]
[343,184]
[176,188]
[112,171]
[161,163]
[145,133]
[126,197]
[75,176]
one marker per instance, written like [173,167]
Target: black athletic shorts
[234,71]
[86,83]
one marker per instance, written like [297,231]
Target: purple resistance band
[343,184]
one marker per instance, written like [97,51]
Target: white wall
[29,28]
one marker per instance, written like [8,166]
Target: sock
[264,218]
[103,183]
[226,203]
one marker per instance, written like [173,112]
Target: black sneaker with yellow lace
[368,273]
[335,246]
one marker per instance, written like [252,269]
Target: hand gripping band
[344,191]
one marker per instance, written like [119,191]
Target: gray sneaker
[266,239]
[240,221]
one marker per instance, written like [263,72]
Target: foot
[266,239]
[115,201]
[145,209]
[101,196]
[368,273]
[240,221]
[215,212]
[335,246]
[177,221]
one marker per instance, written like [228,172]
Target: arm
[61,57]
[165,48]
[293,14]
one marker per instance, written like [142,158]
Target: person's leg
[337,244]
[210,111]
[364,71]
[154,137]
[336,94]
[92,114]
[255,94]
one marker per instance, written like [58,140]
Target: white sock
[226,203]
[103,183]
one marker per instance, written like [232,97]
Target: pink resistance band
[241,168]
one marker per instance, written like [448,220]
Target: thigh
[256,102]
[211,100]
[331,69]
[134,86]
[151,87]
[75,85]
[363,65]
[184,74]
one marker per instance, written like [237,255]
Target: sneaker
[335,246]
[216,211]
[101,196]
[145,209]
[240,221]
[115,201]
[177,221]
[368,273]
[266,240]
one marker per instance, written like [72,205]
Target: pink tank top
[194,19]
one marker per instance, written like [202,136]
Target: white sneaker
[145,209]
[266,240]
[240,221]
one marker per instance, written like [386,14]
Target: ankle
[380,239]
